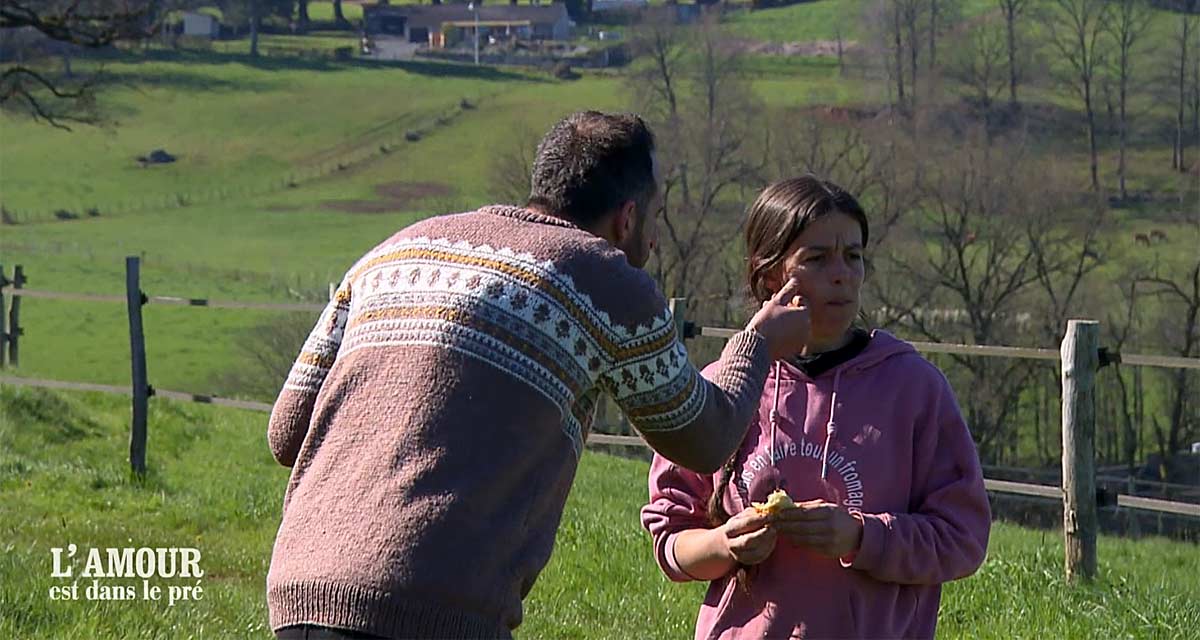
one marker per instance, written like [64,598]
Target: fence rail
[125,390]
[1028,353]
[170,300]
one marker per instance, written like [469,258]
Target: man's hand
[821,526]
[783,321]
[747,537]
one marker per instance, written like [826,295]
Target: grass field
[212,485]
[237,124]
[822,20]
[351,11]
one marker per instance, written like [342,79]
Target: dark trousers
[314,632]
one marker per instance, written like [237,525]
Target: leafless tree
[338,16]
[1179,327]
[942,15]
[656,84]
[1121,326]
[90,24]
[712,147]
[910,14]
[887,41]
[1068,241]
[1195,93]
[978,61]
[1077,34]
[512,167]
[1183,40]
[302,19]
[1127,23]
[980,203]
[1013,12]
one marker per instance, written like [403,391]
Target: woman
[862,432]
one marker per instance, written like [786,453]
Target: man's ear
[624,222]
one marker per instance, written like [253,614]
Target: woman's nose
[839,270]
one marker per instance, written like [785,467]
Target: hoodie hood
[881,347]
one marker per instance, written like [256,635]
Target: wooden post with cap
[1080,354]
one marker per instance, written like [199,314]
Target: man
[436,414]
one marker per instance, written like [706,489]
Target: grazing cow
[1142,239]
[1157,235]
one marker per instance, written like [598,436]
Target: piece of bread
[776,502]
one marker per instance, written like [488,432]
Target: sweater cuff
[745,363]
[671,563]
[870,552]
[747,344]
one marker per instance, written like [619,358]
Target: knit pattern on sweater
[513,312]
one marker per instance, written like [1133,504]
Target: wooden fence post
[678,307]
[137,350]
[3,310]
[1080,360]
[14,318]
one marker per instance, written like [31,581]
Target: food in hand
[776,502]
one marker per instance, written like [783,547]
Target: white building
[200,25]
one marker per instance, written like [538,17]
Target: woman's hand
[747,537]
[824,527]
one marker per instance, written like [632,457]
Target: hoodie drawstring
[775,416]
[831,426]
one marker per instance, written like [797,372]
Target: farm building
[440,26]
[200,25]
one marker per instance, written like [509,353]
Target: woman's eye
[855,256]
[815,258]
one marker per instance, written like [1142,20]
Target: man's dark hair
[591,163]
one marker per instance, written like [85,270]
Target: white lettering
[191,564]
[166,562]
[145,562]
[120,563]
[94,567]
[59,572]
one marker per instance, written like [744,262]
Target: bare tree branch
[88,24]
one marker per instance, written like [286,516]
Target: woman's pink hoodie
[900,455]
